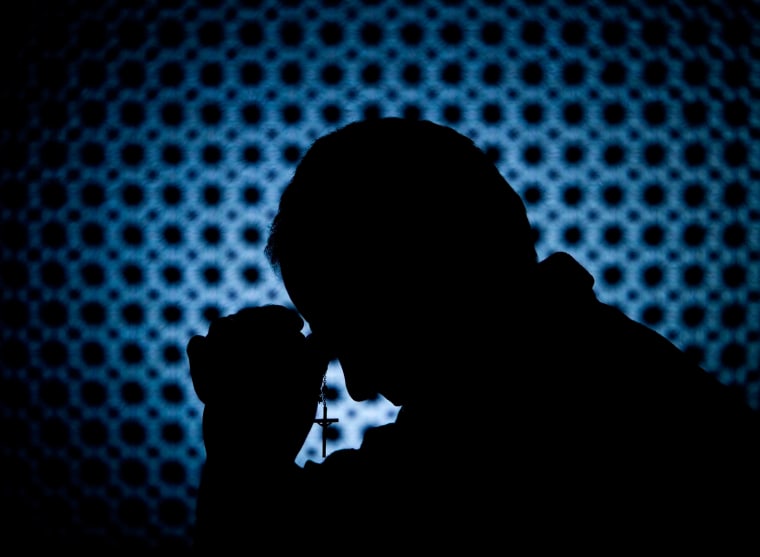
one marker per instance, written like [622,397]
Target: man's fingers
[194,345]
[238,347]
[196,354]
[268,320]
[272,316]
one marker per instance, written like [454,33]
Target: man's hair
[406,189]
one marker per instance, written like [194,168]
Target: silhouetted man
[530,411]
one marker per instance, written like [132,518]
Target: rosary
[324,421]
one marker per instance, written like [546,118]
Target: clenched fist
[259,378]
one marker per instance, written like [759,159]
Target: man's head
[399,186]
[388,219]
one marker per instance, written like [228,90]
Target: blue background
[145,144]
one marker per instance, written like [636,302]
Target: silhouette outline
[530,411]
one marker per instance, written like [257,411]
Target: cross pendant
[324,422]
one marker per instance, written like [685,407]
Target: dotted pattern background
[145,144]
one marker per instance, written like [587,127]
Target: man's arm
[259,382]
